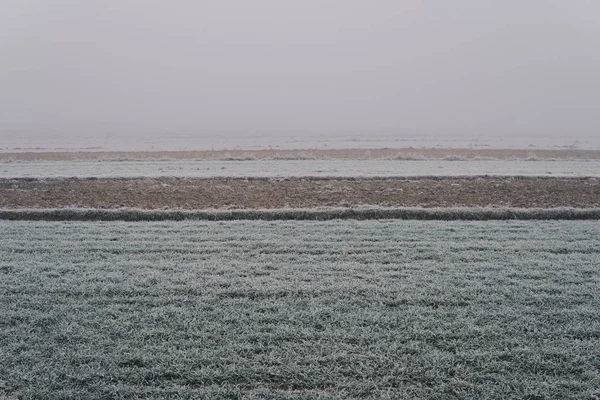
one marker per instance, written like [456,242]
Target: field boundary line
[316,178]
[316,214]
[370,153]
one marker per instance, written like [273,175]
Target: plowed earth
[232,193]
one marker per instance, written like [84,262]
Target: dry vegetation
[308,214]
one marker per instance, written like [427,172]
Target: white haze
[142,74]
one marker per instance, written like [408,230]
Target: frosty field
[300,309]
[148,141]
[296,168]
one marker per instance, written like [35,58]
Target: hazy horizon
[135,70]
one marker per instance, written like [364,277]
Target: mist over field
[142,75]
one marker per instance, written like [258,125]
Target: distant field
[281,141]
[391,152]
[296,168]
[270,310]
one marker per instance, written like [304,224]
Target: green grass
[300,309]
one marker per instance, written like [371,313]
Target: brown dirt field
[399,154]
[232,193]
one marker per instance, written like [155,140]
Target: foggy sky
[439,67]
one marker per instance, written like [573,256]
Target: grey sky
[321,66]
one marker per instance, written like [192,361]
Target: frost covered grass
[296,168]
[299,309]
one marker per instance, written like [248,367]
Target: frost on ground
[338,309]
[297,168]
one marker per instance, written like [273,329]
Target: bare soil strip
[232,193]
[316,154]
